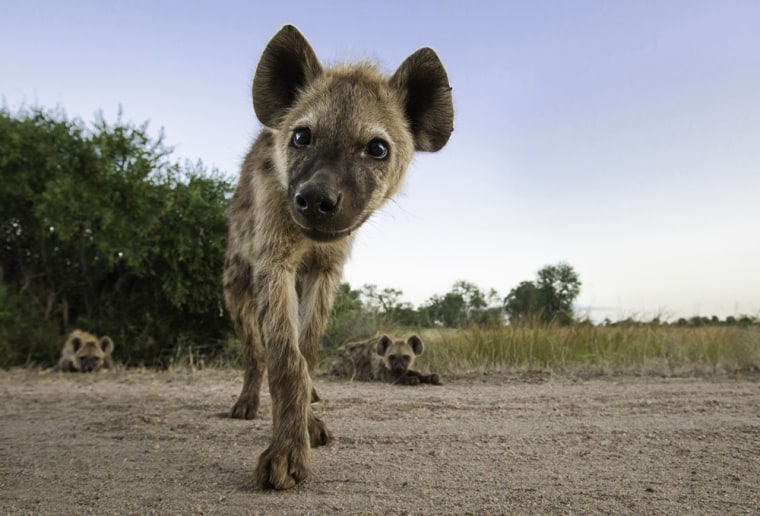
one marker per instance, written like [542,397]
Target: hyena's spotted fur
[335,146]
[381,359]
[84,352]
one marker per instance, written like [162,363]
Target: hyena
[84,352]
[335,146]
[382,359]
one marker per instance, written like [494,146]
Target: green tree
[559,286]
[549,298]
[381,302]
[449,310]
[493,313]
[523,303]
[474,299]
[465,304]
[479,307]
[387,307]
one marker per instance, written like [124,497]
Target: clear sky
[621,137]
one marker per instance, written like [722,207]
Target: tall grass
[645,349]
[622,348]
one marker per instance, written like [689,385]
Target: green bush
[24,339]
[100,230]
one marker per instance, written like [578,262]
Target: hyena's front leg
[247,405]
[287,459]
[317,296]
[240,299]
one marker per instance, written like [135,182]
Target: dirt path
[155,443]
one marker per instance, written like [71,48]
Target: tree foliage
[99,229]
[464,305]
[523,302]
[549,298]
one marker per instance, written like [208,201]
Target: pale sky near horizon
[621,137]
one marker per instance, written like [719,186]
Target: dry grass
[635,349]
[581,348]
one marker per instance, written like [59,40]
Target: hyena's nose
[87,364]
[317,201]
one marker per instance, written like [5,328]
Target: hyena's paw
[433,379]
[282,467]
[244,409]
[410,380]
[319,435]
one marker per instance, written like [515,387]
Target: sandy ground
[147,442]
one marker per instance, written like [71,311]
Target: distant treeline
[101,230]
[365,311]
[692,322]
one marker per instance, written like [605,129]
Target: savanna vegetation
[100,228]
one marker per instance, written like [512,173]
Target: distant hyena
[335,147]
[381,359]
[83,352]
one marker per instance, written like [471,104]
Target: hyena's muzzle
[88,364]
[327,200]
[399,365]
[317,205]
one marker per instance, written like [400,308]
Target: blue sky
[622,137]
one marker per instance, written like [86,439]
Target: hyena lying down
[83,352]
[381,359]
[335,146]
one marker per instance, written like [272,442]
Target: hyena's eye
[377,148]
[301,137]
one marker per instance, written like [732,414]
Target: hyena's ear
[106,344]
[286,66]
[424,84]
[416,344]
[76,343]
[382,344]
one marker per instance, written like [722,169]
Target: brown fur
[335,146]
[83,352]
[381,359]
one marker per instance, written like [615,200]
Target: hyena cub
[84,352]
[335,146]
[382,359]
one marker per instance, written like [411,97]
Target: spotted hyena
[382,359]
[84,352]
[335,146]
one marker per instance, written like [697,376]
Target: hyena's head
[398,355]
[344,136]
[87,353]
